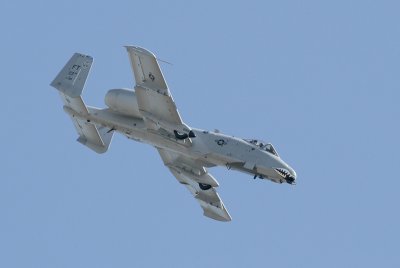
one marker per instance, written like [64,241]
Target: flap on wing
[153,97]
[209,200]
[206,178]
[209,197]
[189,173]
[168,116]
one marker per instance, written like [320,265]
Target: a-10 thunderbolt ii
[148,114]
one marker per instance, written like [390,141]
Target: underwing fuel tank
[123,101]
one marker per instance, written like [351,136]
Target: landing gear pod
[182,136]
[204,186]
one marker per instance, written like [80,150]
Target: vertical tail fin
[70,82]
[71,79]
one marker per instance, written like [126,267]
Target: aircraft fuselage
[148,114]
[214,149]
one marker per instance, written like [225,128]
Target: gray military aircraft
[148,114]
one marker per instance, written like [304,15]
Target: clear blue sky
[318,79]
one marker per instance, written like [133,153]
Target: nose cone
[288,174]
[292,173]
[292,177]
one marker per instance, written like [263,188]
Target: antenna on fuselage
[164,61]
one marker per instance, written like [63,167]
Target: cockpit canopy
[263,146]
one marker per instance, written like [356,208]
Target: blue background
[318,79]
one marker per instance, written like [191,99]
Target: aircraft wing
[199,182]
[154,99]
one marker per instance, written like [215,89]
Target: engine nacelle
[123,101]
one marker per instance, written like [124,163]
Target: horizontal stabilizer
[70,83]
[95,137]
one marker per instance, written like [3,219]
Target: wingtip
[220,215]
[217,217]
[141,50]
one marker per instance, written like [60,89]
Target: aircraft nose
[293,173]
[288,174]
[291,177]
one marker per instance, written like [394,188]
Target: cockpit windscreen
[264,146]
